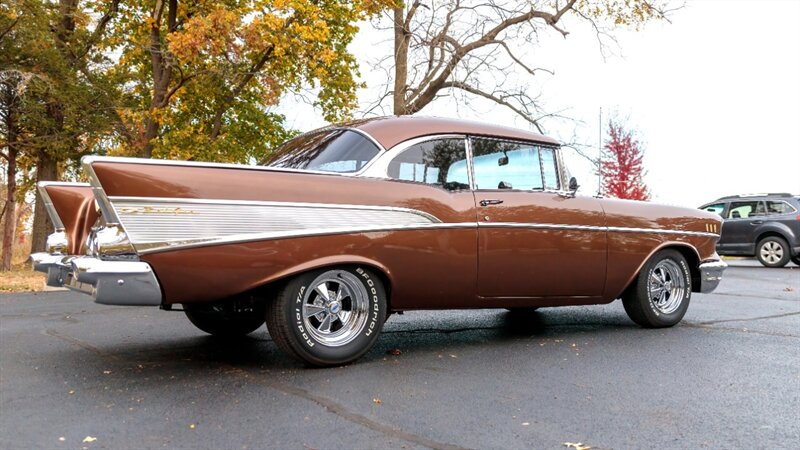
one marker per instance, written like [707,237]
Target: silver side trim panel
[157,224]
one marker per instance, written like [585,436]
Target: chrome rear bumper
[130,283]
[711,275]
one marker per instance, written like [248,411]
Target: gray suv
[766,226]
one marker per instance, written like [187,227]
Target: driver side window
[513,165]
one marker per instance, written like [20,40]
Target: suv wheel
[796,259]
[773,251]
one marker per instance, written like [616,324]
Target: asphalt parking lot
[74,374]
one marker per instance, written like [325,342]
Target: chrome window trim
[470,167]
[380,167]
[557,153]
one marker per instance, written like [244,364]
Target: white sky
[714,97]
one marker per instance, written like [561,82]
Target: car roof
[784,195]
[392,130]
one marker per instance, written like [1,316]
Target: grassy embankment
[21,278]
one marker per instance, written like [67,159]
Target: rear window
[331,150]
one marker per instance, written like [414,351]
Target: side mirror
[502,161]
[504,185]
[573,185]
[573,188]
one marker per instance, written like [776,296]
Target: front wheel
[773,251]
[660,294]
[328,317]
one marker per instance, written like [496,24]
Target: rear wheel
[773,251]
[796,259]
[231,318]
[330,316]
[660,294]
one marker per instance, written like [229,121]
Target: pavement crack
[345,413]
[737,330]
[79,343]
[774,316]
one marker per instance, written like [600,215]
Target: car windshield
[330,150]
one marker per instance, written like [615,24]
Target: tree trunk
[401,41]
[162,72]
[10,102]
[10,208]
[46,170]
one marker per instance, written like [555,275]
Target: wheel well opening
[268,291]
[767,234]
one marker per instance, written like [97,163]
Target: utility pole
[600,153]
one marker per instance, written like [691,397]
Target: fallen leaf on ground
[89,439]
[577,445]
[788,289]
[62,439]
[107,372]
[377,401]
[395,351]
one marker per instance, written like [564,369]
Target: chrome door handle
[490,202]
[756,222]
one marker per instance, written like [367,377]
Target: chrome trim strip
[203,201]
[106,209]
[541,226]
[470,167]
[556,226]
[379,168]
[157,247]
[661,231]
[48,204]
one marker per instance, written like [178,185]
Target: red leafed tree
[621,165]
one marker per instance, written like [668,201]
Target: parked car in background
[766,226]
[347,224]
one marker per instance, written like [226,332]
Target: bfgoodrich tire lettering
[659,297]
[330,316]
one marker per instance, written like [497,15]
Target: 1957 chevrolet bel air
[346,224]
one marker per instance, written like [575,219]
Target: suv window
[716,208]
[441,162]
[512,165]
[779,207]
[743,210]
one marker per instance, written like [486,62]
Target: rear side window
[439,162]
[332,150]
[779,207]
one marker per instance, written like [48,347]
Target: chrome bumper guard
[130,283]
[711,274]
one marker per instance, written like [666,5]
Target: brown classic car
[344,225]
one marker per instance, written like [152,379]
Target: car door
[533,242]
[741,220]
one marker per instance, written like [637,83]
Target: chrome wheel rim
[335,308]
[666,286]
[771,252]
